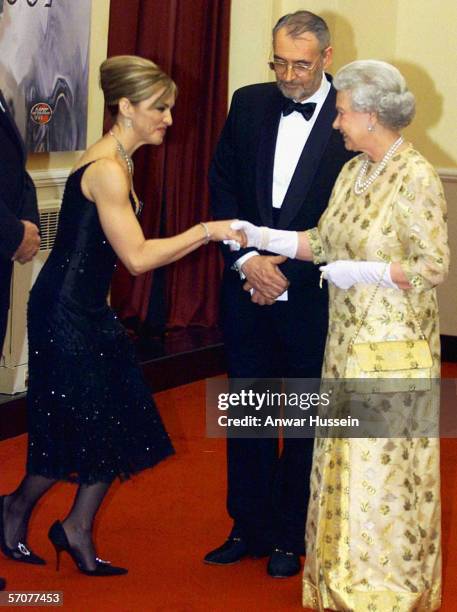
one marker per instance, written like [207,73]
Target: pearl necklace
[123,153]
[361,183]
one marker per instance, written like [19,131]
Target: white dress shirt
[293,133]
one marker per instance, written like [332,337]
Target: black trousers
[268,487]
[6,268]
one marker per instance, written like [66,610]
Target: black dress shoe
[2,584]
[283,564]
[21,553]
[233,550]
[60,541]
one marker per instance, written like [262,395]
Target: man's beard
[297,90]
[294,91]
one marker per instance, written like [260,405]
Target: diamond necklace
[123,153]
[361,183]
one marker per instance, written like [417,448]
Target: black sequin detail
[90,413]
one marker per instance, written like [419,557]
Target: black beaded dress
[90,414]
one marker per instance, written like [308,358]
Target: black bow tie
[306,109]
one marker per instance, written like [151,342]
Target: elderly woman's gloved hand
[266,239]
[346,273]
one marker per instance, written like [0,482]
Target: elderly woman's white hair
[377,87]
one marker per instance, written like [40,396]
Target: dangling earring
[128,123]
[370,127]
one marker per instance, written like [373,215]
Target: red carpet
[161,523]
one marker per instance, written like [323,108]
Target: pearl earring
[370,128]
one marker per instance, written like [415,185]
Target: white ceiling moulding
[448,175]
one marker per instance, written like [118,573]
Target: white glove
[233,244]
[282,242]
[345,273]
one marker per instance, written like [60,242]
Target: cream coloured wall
[426,51]
[40,162]
[250,42]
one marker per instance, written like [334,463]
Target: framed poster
[44,69]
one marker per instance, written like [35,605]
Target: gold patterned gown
[373,528]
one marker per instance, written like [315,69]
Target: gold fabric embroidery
[373,527]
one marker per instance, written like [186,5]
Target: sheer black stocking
[18,507]
[79,522]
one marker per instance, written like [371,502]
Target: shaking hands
[282,242]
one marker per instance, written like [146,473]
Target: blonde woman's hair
[134,78]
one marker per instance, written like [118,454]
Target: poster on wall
[44,69]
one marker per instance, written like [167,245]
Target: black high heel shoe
[60,541]
[21,553]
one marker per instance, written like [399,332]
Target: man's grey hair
[304,21]
[377,87]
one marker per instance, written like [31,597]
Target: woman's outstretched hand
[224,231]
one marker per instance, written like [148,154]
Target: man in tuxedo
[19,234]
[275,165]
[19,220]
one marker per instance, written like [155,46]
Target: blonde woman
[91,417]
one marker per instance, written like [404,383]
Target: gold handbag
[396,362]
[393,355]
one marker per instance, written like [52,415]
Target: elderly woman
[373,531]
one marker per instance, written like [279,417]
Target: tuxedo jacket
[241,173]
[17,191]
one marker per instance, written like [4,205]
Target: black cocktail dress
[90,413]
